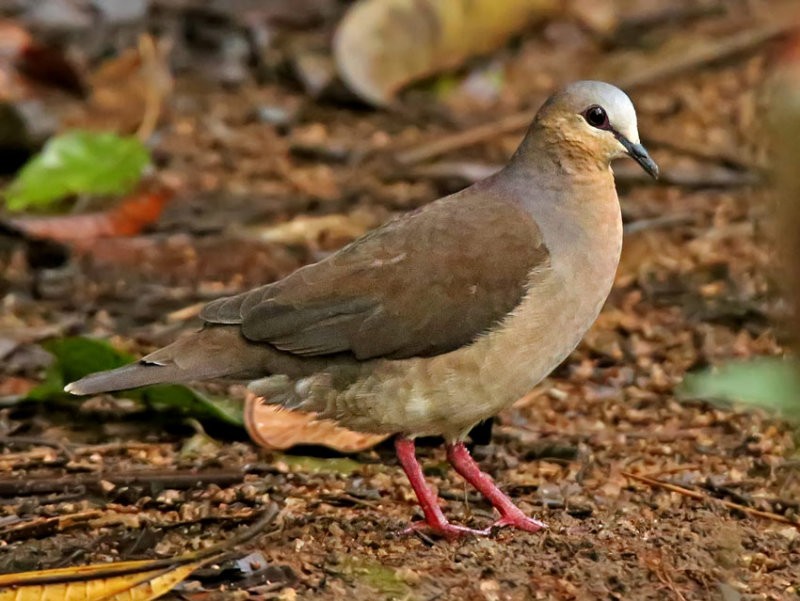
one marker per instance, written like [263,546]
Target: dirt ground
[101,480]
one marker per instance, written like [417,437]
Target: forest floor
[646,496]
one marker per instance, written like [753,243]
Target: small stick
[41,526]
[178,480]
[701,497]
[208,554]
[668,15]
[468,137]
[703,54]
[662,69]
[675,470]
[712,176]
[157,83]
[658,223]
[35,441]
[702,150]
[110,447]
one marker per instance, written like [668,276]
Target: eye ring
[596,116]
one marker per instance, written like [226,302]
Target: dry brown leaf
[27,65]
[121,581]
[158,584]
[324,230]
[46,525]
[381,45]
[128,92]
[128,218]
[277,429]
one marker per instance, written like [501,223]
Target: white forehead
[618,106]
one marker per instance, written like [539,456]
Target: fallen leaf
[128,92]
[128,218]
[78,162]
[130,581]
[277,429]
[768,383]
[77,357]
[325,230]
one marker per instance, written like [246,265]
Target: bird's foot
[519,520]
[445,530]
[510,514]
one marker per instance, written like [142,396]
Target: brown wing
[425,283]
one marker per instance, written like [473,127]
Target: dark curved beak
[639,154]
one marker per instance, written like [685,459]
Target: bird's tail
[213,352]
[134,375]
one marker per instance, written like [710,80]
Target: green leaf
[77,357]
[78,162]
[386,580]
[189,401]
[333,465]
[767,383]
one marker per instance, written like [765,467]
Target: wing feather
[426,283]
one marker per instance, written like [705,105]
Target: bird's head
[592,121]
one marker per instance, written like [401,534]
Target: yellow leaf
[96,570]
[381,45]
[93,589]
[123,581]
[158,585]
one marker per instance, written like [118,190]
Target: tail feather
[213,352]
[129,376]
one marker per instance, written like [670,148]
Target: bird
[442,316]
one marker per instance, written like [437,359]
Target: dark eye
[596,117]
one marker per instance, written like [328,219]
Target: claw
[523,522]
[510,514]
[448,531]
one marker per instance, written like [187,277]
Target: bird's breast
[449,393]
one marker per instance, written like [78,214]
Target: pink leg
[428,501]
[510,514]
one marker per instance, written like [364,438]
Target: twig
[636,25]
[667,67]
[35,441]
[156,81]
[702,54]
[338,498]
[698,176]
[40,527]
[109,447]
[468,137]
[12,487]
[702,150]
[726,488]
[241,516]
[131,567]
[657,223]
[659,567]
[625,172]
[675,470]
[702,497]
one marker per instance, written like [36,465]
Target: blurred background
[157,154]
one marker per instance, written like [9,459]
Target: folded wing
[423,284]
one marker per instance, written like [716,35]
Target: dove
[443,316]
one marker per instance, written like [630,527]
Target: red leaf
[127,218]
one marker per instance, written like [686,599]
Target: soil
[693,290]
